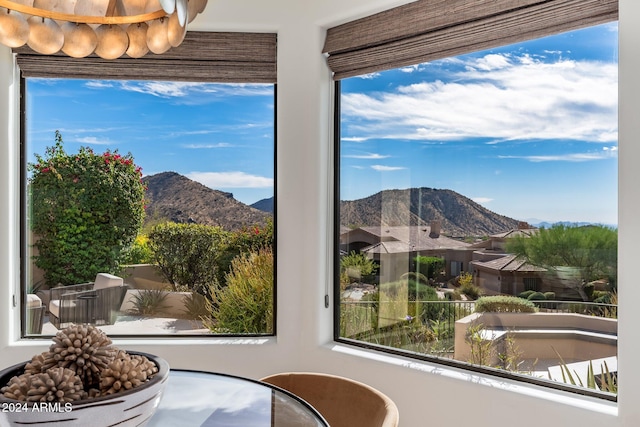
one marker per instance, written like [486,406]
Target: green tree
[429,266]
[187,254]
[86,210]
[356,266]
[573,255]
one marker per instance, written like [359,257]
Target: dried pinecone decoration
[125,373]
[40,363]
[18,387]
[56,385]
[84,349]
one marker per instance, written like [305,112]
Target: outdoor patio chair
[35,315]
[343,402]
[95,303]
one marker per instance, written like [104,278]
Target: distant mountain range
[173,197]
[265,205]
[458,215]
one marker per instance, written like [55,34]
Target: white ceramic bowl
[129,408]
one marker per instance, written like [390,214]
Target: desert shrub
[429,266]
[504,304]
[195,306]
[246,240]
[394,290]
[374,308]
[467,287]
[453,296]
[357,266]
[419,291]
[186,254]
[417,277]
[245,304]
[589,289]
[139,252]
[536,296]
[481,350]
[525,294]
[86,208]
[149,302]
[599,295]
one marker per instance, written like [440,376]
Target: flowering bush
[246,240]
[86,209]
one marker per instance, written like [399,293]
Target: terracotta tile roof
[508,263]
[409,239]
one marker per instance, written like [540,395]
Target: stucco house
[394,248]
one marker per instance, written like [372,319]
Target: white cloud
[381,168]
[500,96]
[164,89]
[98,84]
[354,139]
[493,62]
[368,156]
[368,76]
[606,153]
[481,200]
[92,140]
[236,179]
[190,89]
[410,69]
[200,146]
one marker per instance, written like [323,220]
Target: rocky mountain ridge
[173,197]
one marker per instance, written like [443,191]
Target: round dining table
[206,399]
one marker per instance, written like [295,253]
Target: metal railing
[359,317]
[364,318]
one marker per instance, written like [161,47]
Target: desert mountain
[176,198]
[265,205]
[459,215]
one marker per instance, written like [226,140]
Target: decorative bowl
[132,407]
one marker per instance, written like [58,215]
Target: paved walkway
[134,325]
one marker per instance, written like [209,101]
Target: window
[148,205]
[531,284]
[463,154]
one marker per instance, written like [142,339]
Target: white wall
[426,394]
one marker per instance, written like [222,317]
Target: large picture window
[477,210]
[148,205]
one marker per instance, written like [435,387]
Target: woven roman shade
[202,57]
[427,30]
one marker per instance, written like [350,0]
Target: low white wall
[542,336]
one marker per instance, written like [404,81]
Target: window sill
[581,402]
[164,341]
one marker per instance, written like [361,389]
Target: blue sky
[219,135]
[527,130]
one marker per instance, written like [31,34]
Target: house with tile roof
[507,275]
[394,248]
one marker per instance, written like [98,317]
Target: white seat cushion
[54,306]
[33,301]
[105,280]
